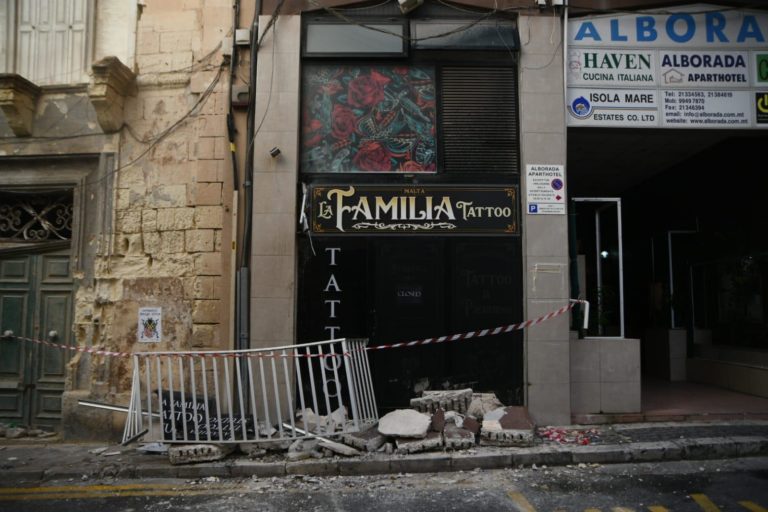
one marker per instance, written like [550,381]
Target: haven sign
[697,66]
[414,209]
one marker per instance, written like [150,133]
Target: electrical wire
[166,132]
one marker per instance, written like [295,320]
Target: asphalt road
[700,486]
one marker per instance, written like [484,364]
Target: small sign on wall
[150,325]
[545,189]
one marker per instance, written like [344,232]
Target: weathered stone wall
[172,194]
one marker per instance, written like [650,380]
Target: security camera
[274,152]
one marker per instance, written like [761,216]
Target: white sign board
[708,109]
[697,66]
[150,325]
[613,107]
[545,189]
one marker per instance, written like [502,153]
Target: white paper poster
[150,325]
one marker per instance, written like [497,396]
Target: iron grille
[36,217]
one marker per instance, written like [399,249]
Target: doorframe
[617,202]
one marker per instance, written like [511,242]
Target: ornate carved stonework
[111,82]
[18,101]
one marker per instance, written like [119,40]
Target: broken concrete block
[405,423]
[311,421]
[516,418]
[368,440]
[339,448]
[295,456]
[433,441]
[15,433]
[470,424]
[303,445]
[482,403]
[252,450]
[491,426]
[190,453]
[508,426]
[450,400]
[337,420]
[506,437]
[494,415]
[458,438]
[438,421]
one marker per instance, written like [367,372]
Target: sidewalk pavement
[51,459]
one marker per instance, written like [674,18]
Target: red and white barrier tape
[426,341]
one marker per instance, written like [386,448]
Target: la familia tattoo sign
[414,209]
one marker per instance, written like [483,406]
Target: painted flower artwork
[368,119]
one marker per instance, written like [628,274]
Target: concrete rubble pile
[437,420]
[18,432]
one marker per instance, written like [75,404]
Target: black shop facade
[410,214]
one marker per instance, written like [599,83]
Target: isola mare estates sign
[366,209]
[697,66]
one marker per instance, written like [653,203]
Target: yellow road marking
[522,504]
[622,509]
[705,503]
[118,494]
[67,488]
[658,508]
[591,510]
[752,506]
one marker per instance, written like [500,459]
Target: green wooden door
[35,302]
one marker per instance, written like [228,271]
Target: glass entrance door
[599,256]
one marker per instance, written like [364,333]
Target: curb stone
[556,455]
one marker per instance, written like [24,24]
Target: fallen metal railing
[242,396]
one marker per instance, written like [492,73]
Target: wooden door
[35,302]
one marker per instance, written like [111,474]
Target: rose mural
[368,119]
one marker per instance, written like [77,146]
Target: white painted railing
[242,396]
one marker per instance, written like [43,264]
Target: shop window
[446,103]
[368,118]
[46,41]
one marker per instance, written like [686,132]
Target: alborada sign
[343,209]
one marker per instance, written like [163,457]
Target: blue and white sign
[612,107]
[545,189]
[702,25]
[697,66]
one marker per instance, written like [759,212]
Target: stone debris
[368,440]
[339,448]
[506,437]
[15,432]
[482,403]
[470,424]
[97,451]
[507,426]
[302,449]
[450,400]
[457,438]
[322,425]
[438,421]
[433,441]
[405,423]
[190,453]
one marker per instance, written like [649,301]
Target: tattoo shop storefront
[410,177]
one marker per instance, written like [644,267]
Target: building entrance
[392,289]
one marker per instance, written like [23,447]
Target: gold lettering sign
[350,209]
